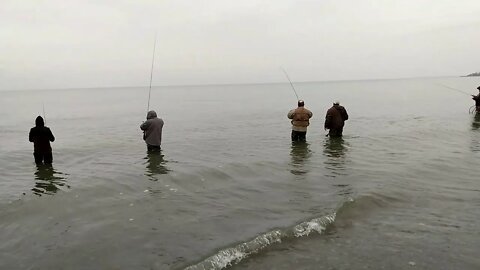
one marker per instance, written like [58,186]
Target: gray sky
[96,43]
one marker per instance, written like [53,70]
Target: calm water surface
[401,190]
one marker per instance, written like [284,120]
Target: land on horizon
[475,74]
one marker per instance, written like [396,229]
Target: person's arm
[328,120]
[310,114]
[345,114]
[144,125]
[161,130]
[50,136]
[30,135]
[290,114]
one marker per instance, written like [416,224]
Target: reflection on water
[299,153]
[155,164]
[48,181]
[334,150]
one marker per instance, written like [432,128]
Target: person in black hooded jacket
[41,136]
[477,100]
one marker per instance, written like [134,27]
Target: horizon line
[230,84]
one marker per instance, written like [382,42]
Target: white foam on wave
[317,224]
[226,257]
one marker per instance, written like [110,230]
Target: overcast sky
[83,43]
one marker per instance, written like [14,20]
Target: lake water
[401,190]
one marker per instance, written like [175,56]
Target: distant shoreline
[475,74]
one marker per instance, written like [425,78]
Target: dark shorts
[299,136]
[43,157]
[153,148]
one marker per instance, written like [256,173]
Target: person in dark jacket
[300,121]
[335,119]
[152,131]
[477,100]
[41,136]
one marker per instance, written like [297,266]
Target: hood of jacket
[151,115]
[39,122]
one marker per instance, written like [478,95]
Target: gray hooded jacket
[152,129]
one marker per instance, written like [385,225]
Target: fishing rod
[454,89]
[151,73]
[293,87]
[44,117]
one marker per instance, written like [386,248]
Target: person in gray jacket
[152,131]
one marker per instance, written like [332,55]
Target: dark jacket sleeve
[344,114]
[144,126]
[50,136]
[328,120]
[30,135]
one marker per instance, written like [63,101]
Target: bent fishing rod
[454,89]
[472,108]
[151,72]
[293,87]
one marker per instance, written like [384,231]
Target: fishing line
[293,87]
[151,73]
[472,109]
[454,89]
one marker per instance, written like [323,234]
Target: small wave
[230,256]
[319,225]
[226,257]
[347,210]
